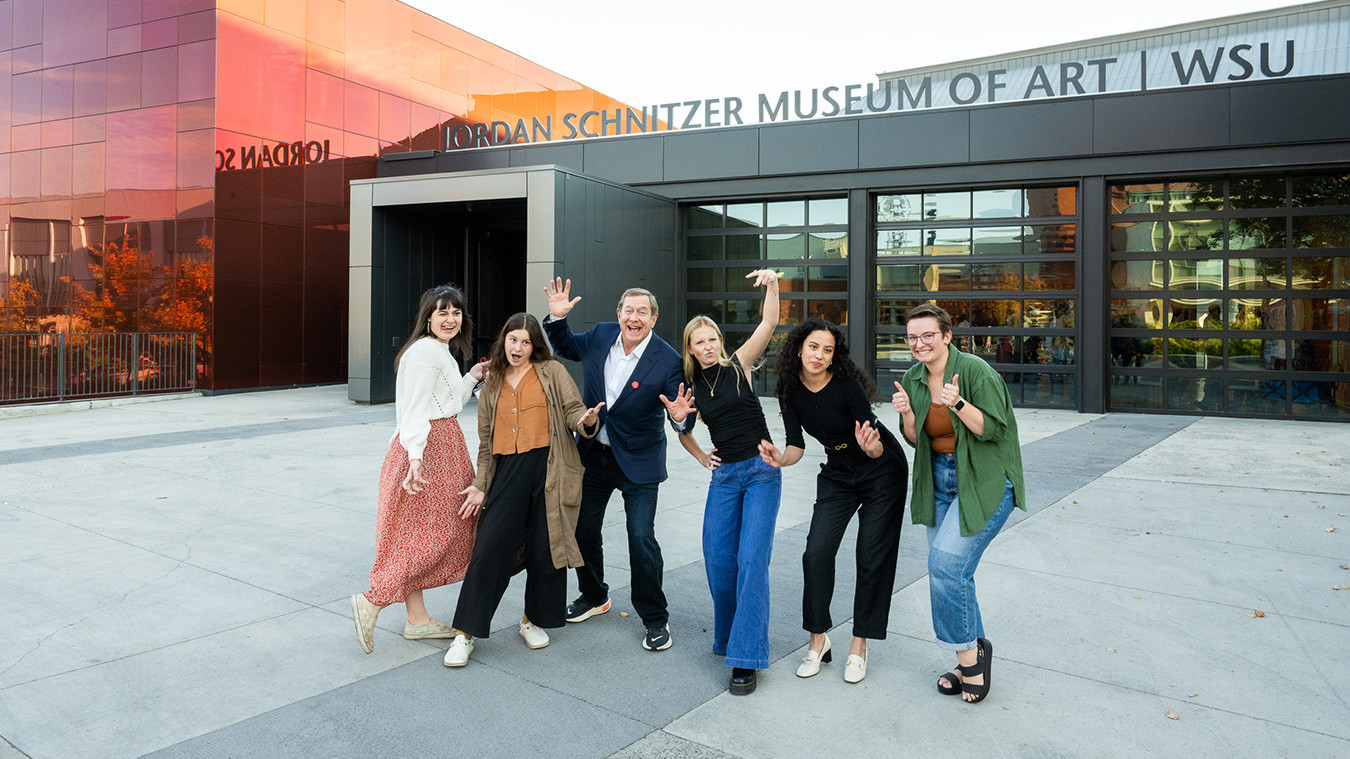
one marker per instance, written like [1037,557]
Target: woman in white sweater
[424,533]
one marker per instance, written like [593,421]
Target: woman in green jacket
[956,412]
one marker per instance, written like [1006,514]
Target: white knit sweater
[428,386]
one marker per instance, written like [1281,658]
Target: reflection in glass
[1253,355]
[996,277]
[828,279]
[1141,393]
[704,280]
[1050,275]
[744,247]
[1056,313]
[1129,236]
[1321,355]
[1136,198]
[827,211]
[997,241]
[1251,234]
[1195,394]
[1320,400]
[790,312]
[891,312]
[709,308]
[1195,274]
[899,208]
[959,310]
[899,242]
[705,217]
[1256,396]
[989,204]
[786,246]
[1257,313]
[833,311]
[1141,274]
[827,245]
[1260,192]
[704,248]
[791,279]
[1195,196]
[1319,313]
[787,213]
[994,313]
[946,242]
[1315,272]
[1052,238]
[893,348]
[1322,231]
[737,281]
[946,206]
[1195,234]
[1001,349]
[1051,201]
[744,311]
[1257,273]
[946,277]
[1136,313]
[1321,190]
[745,215]
[1195,313]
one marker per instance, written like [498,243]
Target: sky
[646,52]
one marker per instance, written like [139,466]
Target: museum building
[1152,222]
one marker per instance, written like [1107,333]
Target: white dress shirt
[618,368]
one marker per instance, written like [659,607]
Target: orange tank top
[938,425]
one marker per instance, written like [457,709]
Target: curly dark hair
[788,365]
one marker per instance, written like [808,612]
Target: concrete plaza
[178,574]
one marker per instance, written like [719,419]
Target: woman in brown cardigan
[528,487]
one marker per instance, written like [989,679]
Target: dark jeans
[876,491]
[603,477]
[513,517]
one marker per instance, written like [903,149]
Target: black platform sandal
[984,665]
[955,676]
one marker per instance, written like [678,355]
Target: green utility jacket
[982,461]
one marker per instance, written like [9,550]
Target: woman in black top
[821,390]
[743,496]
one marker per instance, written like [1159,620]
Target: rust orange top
[938,425]
[522,417]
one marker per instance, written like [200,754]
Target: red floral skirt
[420,540]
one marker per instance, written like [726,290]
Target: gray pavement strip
[512,702]
[9,752]
[186,437]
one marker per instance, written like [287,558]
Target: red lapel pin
[635,386]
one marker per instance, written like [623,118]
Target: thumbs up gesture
[951,392]
[900,400]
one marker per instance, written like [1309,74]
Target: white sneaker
[535,636]
[458,654]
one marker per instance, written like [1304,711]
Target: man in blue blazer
[628,369]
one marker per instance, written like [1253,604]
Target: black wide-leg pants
[513,518]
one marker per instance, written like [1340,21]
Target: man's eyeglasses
[926,338]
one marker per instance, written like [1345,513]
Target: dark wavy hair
[433,300]
[539,350]
[788,366]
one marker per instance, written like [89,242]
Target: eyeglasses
[927,338]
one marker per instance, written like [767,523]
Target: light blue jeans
[738,523]
[952,560]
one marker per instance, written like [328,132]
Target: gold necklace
[712,386]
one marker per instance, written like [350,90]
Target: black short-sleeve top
[828,415]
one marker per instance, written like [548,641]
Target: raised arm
[753,348]
[560,303]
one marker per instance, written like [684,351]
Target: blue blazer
[636,420]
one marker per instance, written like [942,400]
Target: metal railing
[56,367]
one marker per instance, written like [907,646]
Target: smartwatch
[960,404]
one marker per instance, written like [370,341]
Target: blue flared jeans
[952,560]
[738,525]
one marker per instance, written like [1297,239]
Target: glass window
[786,246]
[1195,313]
[1321,355]
[705,280]
[709,308]
[1319,313]
[827,211]
[947,242]
[1197,234]
[1257,314]
[1249,234]
[1318,272]
[891,313]
[1322,232]
[1260,192]
[994,313]
[893,348]
[1137,198]
[737,281]
[1142,393]
[833,279]
[833,311]
[992,204]
[1203,394]
[1195,274]
[744,247]
[705,217]
[1183,197]
[1321,190]
[944,206]
[996,277]
[959,310]
[1263,396]
[744,311]
[899,242]
[997,241]
[1050,275]
[704,248]
[1129,236]
[1140,274]
[789,312]
[1257,273]
[1051,201]
[1052,238]
[899,208]
[946,277]
[1136,313]
[827,245]
[745,214]
[1253,355]
[791,279]
[787,213]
